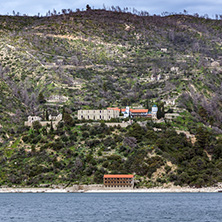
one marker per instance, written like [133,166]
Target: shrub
[92,143]
[26,139]
[36,125]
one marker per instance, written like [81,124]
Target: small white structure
[155,77]
[215,64]
[174,69]
[171,116]
[57,98]
[158,77]
[32,119]
[163,49]
[55,118]
[127,112]
[154,111]
[169,102]
[98,114]
[152,78]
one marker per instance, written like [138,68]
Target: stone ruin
[54,119]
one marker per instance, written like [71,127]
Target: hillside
[94,59]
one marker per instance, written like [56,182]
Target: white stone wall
[171,116]
[98,114]
[55,118]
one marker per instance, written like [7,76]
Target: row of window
[94,111]
[111,179]
[101,117]
[117,186]
[118,183]
[117,179]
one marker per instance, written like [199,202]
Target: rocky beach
[100,189]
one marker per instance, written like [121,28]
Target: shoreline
[138,190]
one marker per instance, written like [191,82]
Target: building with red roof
[131,112]
[139,112]
[118,180]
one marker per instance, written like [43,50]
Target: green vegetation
[82,154]
[98,58]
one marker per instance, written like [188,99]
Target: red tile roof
[113,108]
[131,110]
[116,108]
[118,176]
[139,110]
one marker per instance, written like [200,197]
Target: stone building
[127,112]
[32,119]
[138,112]
[55,120]
[98,114]
[116,181]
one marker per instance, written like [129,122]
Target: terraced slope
[96,59]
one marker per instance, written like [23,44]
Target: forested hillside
[93,59]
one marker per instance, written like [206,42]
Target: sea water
[115,207]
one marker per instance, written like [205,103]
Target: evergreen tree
[147,104]
[51,127]
[63,112]
[41,98]
[68,120]
[160,112]
[202,137]
[46,115]
[88,7]
[120,112]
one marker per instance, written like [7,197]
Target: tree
[120,112]
[88,8]
[160,112]
[202,137]
[46,115]
[68,120]
[51,127]
[203,113]
[63,112]
[147,104]
[137,132]
[41,98]
[36,125]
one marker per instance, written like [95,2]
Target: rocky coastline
[101,189]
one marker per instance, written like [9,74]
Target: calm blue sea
[115,207]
